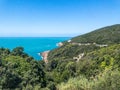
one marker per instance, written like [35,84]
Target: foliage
[106,35]
[18,70]
[68,51]
[108,80]
[90,66]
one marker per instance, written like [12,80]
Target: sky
[56,18]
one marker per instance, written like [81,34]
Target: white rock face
[78,58]
[45,56]
[69,41]
[60,44]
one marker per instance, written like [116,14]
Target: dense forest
[88,62]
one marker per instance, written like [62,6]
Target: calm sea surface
[32,46]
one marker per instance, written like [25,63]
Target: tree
[19,51]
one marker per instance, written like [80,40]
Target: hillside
[106,35]
[98,38]
[99,70]
[87,55]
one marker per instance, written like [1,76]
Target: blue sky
[38,18]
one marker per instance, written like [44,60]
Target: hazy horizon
[56,18]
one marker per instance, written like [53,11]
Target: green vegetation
[97,69]
[88,70]
[108,80]
[95,61]
[106,35]
[68,51]
[19,71]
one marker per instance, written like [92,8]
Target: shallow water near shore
[32,45]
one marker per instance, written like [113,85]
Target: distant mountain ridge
[105,35]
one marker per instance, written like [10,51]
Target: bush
[108,80]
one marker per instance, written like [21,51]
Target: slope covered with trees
[99,70]
[106,35]
[95,61]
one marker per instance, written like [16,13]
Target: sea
[32,45]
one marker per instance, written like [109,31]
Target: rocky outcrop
[78,58]
[59,44]
[45,56]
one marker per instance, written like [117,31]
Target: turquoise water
[32,46]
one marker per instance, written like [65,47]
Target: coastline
[44,55]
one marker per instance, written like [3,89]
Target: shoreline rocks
[59,44]
[44,56]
